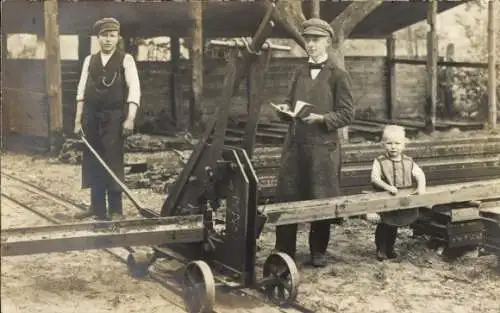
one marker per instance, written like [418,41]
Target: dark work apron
[311,159]
[103,116]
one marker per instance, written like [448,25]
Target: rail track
[162,275]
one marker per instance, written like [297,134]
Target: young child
[391,172]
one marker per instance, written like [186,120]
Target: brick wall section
[410,91]
[367,73]
[368,78]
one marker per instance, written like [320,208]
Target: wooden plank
[432,56]
[442,63]
[53,72]
[492,85]
[101,235]
[314,210]
[420,153]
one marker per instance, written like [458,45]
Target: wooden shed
[26,95]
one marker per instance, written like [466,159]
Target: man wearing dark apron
[107,101]
[311,158]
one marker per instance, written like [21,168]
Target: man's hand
[313,118]
[283,107]
[128,127]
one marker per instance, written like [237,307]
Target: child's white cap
[393,131]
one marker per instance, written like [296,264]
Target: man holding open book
[319,102]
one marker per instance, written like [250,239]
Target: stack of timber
[456,227]
[490,215]
[269,133]
[444,161]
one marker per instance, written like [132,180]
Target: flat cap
[106,24]
[317,27]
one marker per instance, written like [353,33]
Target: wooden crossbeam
[324,209]
[101,235]
[355,13]
[233,80]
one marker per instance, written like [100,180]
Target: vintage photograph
[253,156]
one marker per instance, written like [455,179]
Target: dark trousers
[319,236]
[98,201]
[385,237]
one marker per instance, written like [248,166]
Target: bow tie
[316,66]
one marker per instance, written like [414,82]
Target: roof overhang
[221,19]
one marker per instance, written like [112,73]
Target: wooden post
[256,85]
[196,9]
[4,114]
[432,55]
[83,47]
[53,73]
[315,10]
[492,84]
[175,53]
[391,76]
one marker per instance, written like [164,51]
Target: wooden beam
[315,9]
[443,63]
[175,99]
[53,73]
[256,84]
[196,11]
[83,47]
[355,13]
[432,58]
[324,209]
[492,84]
[234,78]
[391,76]
[4,116]
[102,235]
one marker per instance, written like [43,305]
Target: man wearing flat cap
[311,158]
[107,99]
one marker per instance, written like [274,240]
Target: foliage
[470,86]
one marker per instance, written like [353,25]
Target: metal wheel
[199,287]
[281,279]
[138,264]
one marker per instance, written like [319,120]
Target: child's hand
[392,190]
[420,191]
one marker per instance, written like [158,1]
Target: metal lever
[144,212]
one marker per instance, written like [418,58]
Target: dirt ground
[419,281]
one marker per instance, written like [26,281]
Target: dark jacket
[310,165]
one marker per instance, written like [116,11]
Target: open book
[302,109]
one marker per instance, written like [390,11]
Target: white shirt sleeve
[417,171]
[132,80]
[83,79]
[376,172]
